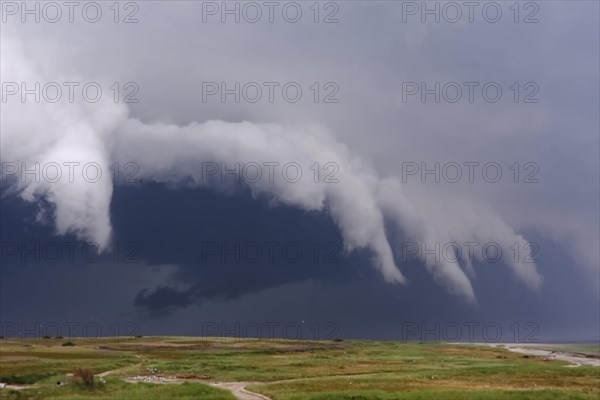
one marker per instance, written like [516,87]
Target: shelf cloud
[367,205]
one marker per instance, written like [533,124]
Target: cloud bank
[364,205]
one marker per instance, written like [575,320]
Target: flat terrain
[229,369]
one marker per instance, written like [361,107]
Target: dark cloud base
[169,226]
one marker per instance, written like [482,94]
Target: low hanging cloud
[362,203]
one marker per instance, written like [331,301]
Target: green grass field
[285,370]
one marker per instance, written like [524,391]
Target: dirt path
[16,387]
[106,373]
[239,390]
[241,393]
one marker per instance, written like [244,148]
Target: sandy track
[16,387]
[239,390]
[575,359]
[106,373]
[537,350]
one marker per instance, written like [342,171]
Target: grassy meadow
[283,370]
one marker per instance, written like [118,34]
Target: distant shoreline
[569,352]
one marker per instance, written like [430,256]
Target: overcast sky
[351,168]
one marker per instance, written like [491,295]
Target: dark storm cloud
[191,295]
[230,245]
[163,297]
